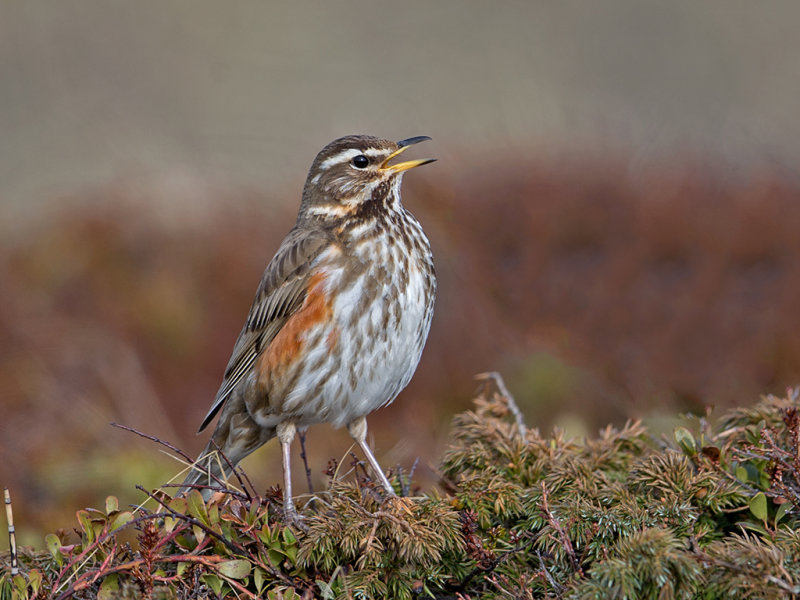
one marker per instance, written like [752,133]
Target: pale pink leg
[358,430]
[286,431]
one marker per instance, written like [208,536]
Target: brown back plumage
[281,292]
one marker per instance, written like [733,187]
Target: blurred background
[615,214]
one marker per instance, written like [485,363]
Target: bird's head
[355,174]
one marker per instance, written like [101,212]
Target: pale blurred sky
[247,92]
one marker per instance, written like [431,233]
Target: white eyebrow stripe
[345,156]
[328,210]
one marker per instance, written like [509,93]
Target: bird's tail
[223,452]
[210,470]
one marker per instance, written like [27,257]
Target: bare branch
[152,438]
[301,434]
[497,379]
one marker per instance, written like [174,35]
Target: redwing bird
[340,317]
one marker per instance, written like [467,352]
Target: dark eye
[360,161]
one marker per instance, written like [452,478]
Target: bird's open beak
[409,164]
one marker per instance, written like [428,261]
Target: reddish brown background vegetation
[601,292]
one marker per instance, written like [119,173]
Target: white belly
[369,351]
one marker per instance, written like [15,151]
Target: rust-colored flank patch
[286,347]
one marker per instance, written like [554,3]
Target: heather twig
[497,379]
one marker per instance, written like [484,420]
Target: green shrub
[710,513]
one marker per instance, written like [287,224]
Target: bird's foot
[292,517]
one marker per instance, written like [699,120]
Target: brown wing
[281,292]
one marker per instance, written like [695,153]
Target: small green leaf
[199,534]
[781,512]
[288,536]
[109,589]
[86,524]
[196,506]
[282,594]
[255,513]
[325,589]
[22,585]
[178,505]
[34,580]
[259,577]
[169,524]
[290,545]
[112,504]
[235,569]
[212,581]
[213,514]
[181,569]
[741,473]
[264,535]
[275,557]
[121,519]
[54,547]
[685,440]
[753,473]
[758,506]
